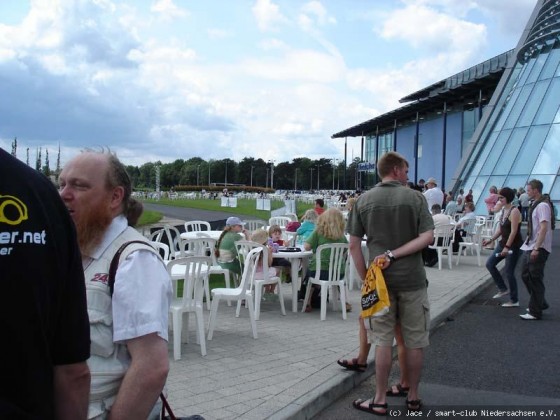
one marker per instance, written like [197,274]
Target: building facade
[497,123]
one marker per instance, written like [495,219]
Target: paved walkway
[290,371]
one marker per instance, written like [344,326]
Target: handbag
[375,297]
[170,416]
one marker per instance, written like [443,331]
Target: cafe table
[295,258]
[214,234]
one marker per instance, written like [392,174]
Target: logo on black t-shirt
[12,210]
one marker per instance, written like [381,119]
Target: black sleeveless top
[505,231]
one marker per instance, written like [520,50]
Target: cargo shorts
[412,310]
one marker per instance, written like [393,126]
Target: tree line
[299,174]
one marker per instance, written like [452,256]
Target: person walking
[129,361]
[509,248]
[43,312]
[398,225]
[536,250]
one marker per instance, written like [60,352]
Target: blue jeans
[511,262]
[533,275]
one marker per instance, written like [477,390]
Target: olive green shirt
[391,215]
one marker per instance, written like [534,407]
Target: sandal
[371,407]
[352,365]
[308,308]
[397,390]
[414,405]
[348,307]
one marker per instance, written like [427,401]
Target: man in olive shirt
[398,225]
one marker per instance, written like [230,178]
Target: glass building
[497,123]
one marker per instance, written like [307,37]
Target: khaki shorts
[412,310]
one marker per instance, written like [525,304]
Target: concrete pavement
[290,371]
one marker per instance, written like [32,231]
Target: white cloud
[299,65]
[317,10]
[268,15]
[428,29]
[94,73]
[168,10]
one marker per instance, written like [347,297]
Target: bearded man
[129,362]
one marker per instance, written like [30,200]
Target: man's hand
[382,261]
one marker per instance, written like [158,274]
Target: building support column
[416,137]
[444,146]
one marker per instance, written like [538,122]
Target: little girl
[261,237]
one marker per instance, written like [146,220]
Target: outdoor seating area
[275,375]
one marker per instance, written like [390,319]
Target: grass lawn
[244,207]
[148,217]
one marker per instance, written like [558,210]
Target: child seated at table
[275,233]
[261,237]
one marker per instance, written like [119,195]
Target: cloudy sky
[270,79]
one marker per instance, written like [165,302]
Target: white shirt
[433,196]
[466,217]
[440,219]
[142,293]
[541,213]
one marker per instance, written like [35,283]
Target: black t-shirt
[43,312]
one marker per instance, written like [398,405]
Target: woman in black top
[508,248]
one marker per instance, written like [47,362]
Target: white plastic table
[294,258]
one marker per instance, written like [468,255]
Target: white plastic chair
[170,236]
[243,248]
[253,225]
[337,269]
[443,240]
[292,216]
[475,244]
[239,293]
[190,301]
[162,249]
[197,226]
[281,221]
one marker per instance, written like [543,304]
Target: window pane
[537,68]
[528,154]
[551,65]
[518,106]
[496,152]
[510,151]
[482,158]
[549,107]
[535,100]
[517,181]
[555,192]
[507,109]
[549,158]
[478,192]
[525,72]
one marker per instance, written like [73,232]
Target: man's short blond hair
[388,161]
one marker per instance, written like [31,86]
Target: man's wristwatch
[390,255]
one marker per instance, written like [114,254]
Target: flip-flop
[401,391]
[371,407]
[414,405]
[354,365]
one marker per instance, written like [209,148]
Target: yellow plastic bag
[375,297]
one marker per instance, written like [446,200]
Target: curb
[311,403]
